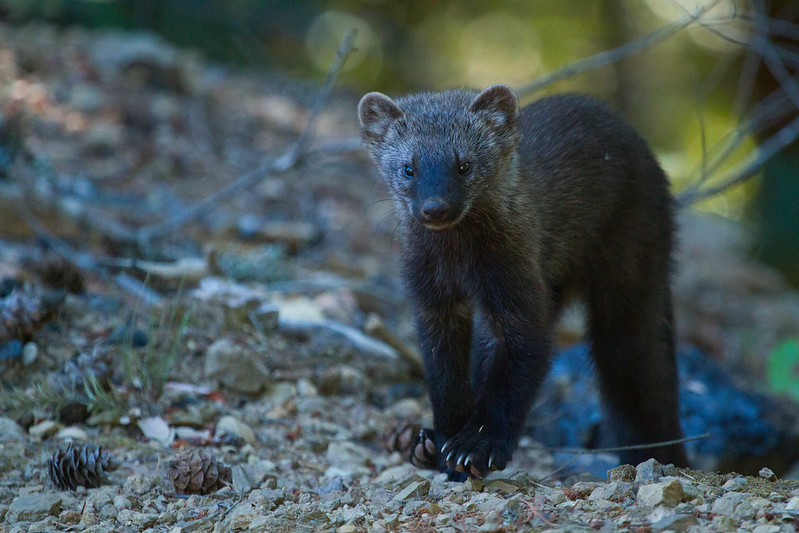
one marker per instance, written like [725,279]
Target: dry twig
[285,162]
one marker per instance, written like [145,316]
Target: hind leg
[633,345]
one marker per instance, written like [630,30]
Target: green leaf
[783,369]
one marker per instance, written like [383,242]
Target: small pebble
[30,352]
[767,473]
[43,429]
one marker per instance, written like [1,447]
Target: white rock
[43,429]
[766,528]
[395,474]
[10,430]
[72,433]
[675,522]
[501,486]
[240,517]
[29,353]
[556,497]
[306,388]
[229,425]
[157,430]
[281,392]
[767,473]
[348,457]
[668,493]
[734,483]
[413,490]
[760,503]
[122,502]
[613,491]
[724,523]
[649,470]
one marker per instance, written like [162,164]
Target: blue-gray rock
[334,484]
[34,506]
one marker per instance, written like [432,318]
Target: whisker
[385,217]
[378,201]
[394,234]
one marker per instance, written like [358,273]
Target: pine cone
[82,466]
[22,313]
[194,472]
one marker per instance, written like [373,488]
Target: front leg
[511,374]
[445,330]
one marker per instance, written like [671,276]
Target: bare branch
[345,48]
[614,54]
[280,164]
[766,151]
[788,92]
[580,451]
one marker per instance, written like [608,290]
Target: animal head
[438,152]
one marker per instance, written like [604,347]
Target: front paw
[414,441]
[475,451]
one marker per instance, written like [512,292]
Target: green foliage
[43,400]
[38,401]
[147,369]
[105,404]
[783,369]
[145,372]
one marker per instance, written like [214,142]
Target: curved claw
[446,445]
[461,458]
[449,456]
[491,462]
[467,461]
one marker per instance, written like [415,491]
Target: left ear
[499,106]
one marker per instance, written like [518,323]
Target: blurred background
[140,144]
[688,94]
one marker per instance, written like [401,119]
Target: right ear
[376,112]
[499,107]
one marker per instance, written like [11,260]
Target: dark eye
[408,171]
[464,168]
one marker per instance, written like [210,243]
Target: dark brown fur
[503,214]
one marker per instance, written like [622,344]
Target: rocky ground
[272,333]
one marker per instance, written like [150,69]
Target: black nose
[435,209]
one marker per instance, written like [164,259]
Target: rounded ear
[376,112]
[500,104]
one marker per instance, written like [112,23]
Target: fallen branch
[356,339]
[83,260]
[374,326]
[578,452]
[581,451]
